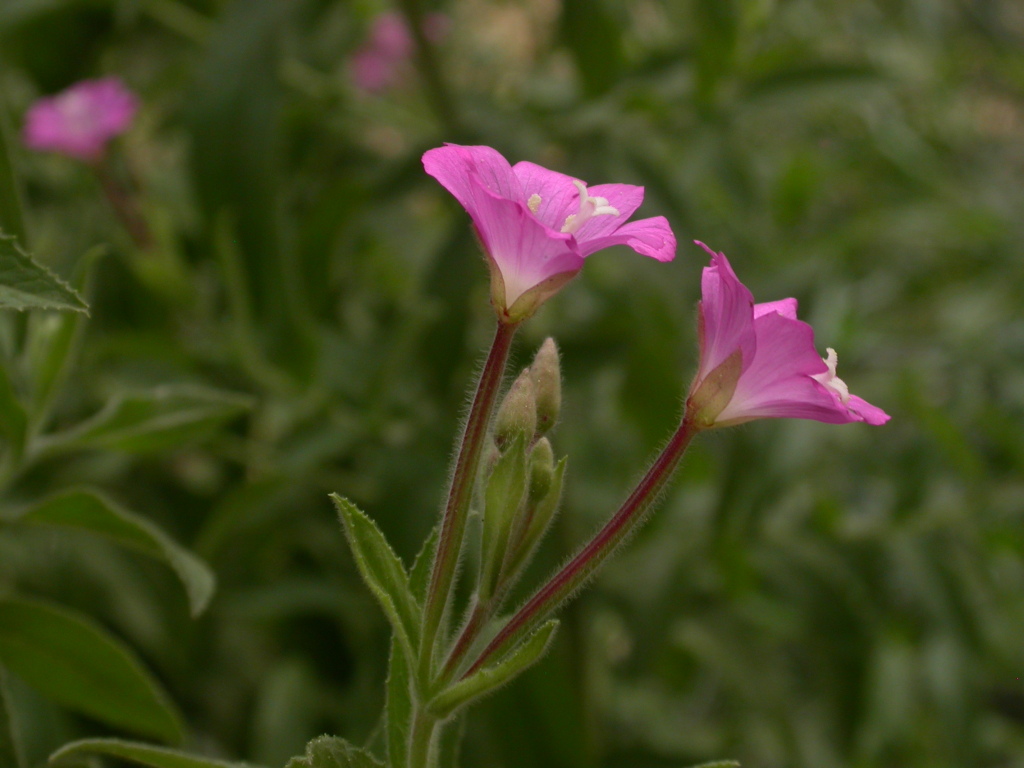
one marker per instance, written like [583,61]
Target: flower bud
[542,471]
[517,413]
[547,383]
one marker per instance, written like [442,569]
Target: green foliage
[332,752]
[88,510]
[10,752]
[144,754]
[382,571]
[808,595]
[27,284]
[73,660]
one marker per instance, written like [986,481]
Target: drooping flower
[537,226]
[81,120]
[377,64]
[757,361]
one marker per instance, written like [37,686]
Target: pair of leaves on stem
[401,595]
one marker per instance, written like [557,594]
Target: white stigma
[533,203]
[589,208]
[829,378]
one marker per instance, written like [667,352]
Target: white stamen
[589,208]
[829,378]
[533,203]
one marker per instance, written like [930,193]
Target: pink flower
[537,226]
[377,64]
[757,361]
[80,120]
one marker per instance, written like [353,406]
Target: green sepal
[27,284]
[382,571]
[503,498]
[715,391]
[78,664]
[488,679]
[88,510]
[334,752]
[538,523]
[145,754]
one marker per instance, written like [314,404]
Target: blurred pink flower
[80,120]
[377,64]
[758,361]
[537,226]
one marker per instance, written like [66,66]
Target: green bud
[517,413]
[542,471]
[547,383]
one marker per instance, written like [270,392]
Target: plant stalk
[573,575]
[460,496]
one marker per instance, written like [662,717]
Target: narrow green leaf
[80,665]
[419,574]
[490,678]
[53,340]
[10,752]
[382,571]
[143,422]
[332,752]
[27,284]
[146,754]
[718,764]
[398,706]
[88,510]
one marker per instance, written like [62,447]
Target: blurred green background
[807,596]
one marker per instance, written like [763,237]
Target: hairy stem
[460,495]
[594,553]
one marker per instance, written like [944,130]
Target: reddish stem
[596,551]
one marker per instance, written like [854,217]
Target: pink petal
[525,251]
[649,237]
[727,310]
[784,307]
[558,195]
[777,382]
[869,413]
[455,166]
[625,198]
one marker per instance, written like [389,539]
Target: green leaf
[419,574]
[398,706]
[146,754]
[27,284]
[89,510]
[718,764]
[80,665]
[490,678]
[13,419]
[53,340]
[154,420]
[382,571]
[332,752]
[10,752]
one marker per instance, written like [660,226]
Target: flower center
[829,378]
[589,208]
